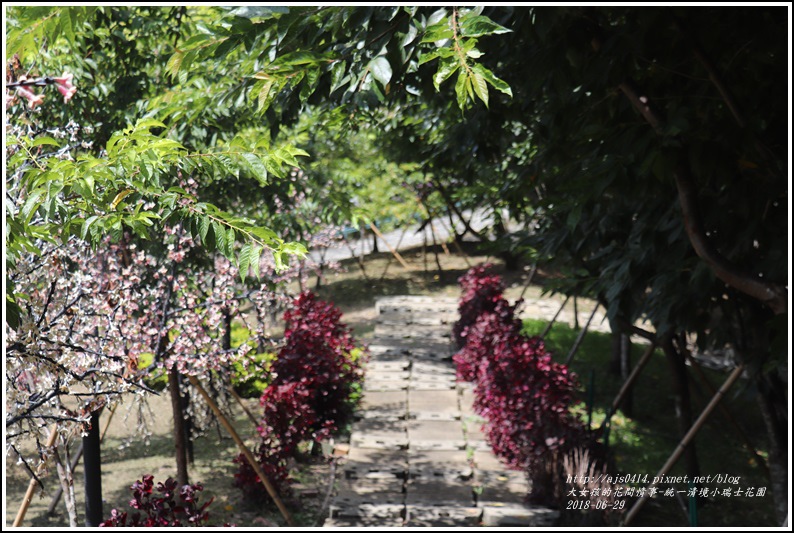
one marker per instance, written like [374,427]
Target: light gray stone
[518,516]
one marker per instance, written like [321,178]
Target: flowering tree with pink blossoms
[115,267]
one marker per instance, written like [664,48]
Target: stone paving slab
[433,401]
[363,521]
[365,508]
[467,400]
[385,386]
[378,347]
[388,356]
[516,515]
[362,455]
[435,435]
[380,375]
[441,516]
[492,477]
[473,432]
[386,471]
[433,416]
[412,331]
[505,487]
[418,458]
[484,459]
[445,379]
[375,426]
[438,351]
[434,430]
[384,404]
[388,366]
[365,487]
[407,346]
[347,499]
[420,385]
[379,433]
[445,472]
[380,442]
[421,368]
[438,492]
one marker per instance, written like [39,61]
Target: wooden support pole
[532,273]
[440,240]
[388,263]
[248,412]
[243,448]
[580,337]
[394,252]
[33,481]
[435,251]
[357,258]
[747,443]
[685,441]
[453,233]
[554,319]
[627,384]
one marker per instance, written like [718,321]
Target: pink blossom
[33,99]
[65,87]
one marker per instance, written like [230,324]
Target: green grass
[641,444]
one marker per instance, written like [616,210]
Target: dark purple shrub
[480,291]
[161,508]
[524,396]
[317,378]
[482,335]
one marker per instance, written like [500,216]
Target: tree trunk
[683,404]
[772,401]
[92,470]
[627,405]
[615,361]
[179,428]
[620,365]
[67,482]
[188,419]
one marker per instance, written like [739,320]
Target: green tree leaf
[380,69]
[479,26]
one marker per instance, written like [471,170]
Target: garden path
[417,456]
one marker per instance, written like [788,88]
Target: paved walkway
[417,456]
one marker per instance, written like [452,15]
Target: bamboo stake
[243,448]
[388,263]
[247,411]
[435,251]
[685,441]
[32,485]
[357,258]
[394,252]
[627,384]
[580,338]
[453,234]
[440,240]
[529,280]
[554,319]
[747,443]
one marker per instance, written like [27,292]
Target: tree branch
[772,295]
